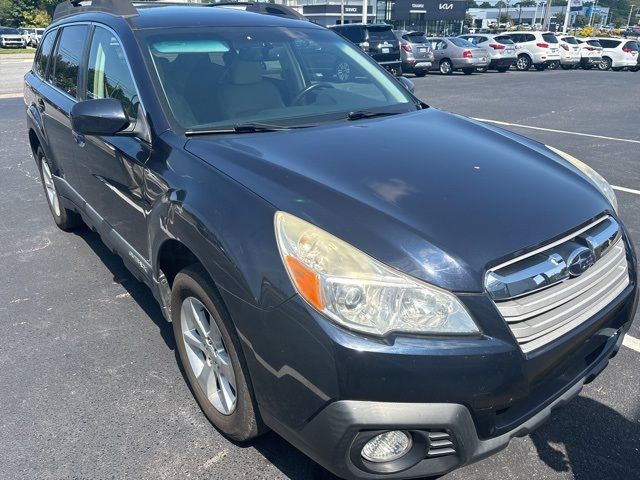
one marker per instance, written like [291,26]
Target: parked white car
[590,53]
[618,53]
[500,48]
[11,38]
[537,49]
[569,52]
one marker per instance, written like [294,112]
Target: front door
[111,168]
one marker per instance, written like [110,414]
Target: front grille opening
[544,314]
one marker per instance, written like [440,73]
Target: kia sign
[433,9]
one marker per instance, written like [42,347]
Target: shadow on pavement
[599,442]
[139,292]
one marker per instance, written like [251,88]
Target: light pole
[593,10]
[566,17]
[629,19]
[365,6]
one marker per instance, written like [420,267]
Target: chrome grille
[541,306]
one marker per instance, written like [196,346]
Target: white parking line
[10,95]
[625,189]
[557,131]
[632,343]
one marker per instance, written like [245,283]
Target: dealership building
[437,17]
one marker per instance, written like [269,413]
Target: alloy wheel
[343,71]
[523,63]
[445,67]
[207,356]
[50,187]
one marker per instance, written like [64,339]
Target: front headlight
[360,293]
[597,179]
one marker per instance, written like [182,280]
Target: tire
[64,218]
[617,69]
[235,413]
[420,73]
[553,65]
[502,69]
[445,67]
[468,71]
[523,63]
[482,69]
[541,67]
[566,67]
[605,64]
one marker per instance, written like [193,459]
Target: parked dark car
[392,316]
[377,40]
[416,52]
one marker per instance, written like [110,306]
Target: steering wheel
[309,89]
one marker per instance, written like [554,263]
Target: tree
[485,5]
[504,18]
[468,20]
[36,18]
[471,4]
[580,21]
[526,3]
[500,4]
[559,18]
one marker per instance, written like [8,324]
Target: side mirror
[406,83]
[103,116]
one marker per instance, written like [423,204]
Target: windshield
[216,78]
[380,34]
[461,42]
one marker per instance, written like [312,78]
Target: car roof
[170,16]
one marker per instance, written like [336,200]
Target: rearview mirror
[406,83]
[104,116]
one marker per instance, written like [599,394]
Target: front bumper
[335,436]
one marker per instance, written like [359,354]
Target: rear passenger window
[44,53]
[64,73]
[108,75]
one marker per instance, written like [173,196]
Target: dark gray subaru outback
[392,317]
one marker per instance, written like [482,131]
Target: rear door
[111,168]
[58,94]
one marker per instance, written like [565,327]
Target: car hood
[433,194]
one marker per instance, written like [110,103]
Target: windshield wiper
[358,114]
[246,128]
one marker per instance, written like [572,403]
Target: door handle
[79,138]
[41,105]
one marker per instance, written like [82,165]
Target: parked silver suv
[538,49]
[500,48]
[11,37]
[415,51]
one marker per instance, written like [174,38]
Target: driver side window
[108,75]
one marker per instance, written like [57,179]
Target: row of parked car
[403,51]
[20,37]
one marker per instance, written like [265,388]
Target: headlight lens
[360,293]
[597,179]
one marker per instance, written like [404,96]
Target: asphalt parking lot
[90,387]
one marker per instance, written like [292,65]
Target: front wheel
[64,218]
[445,67]
[468,71]
[209,351]
[605,64]
[523,63]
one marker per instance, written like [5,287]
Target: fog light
[387,446]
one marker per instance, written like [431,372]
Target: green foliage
[485,5]
[27,13]
[581,21]
[468,20]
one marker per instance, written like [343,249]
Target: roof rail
[122,8]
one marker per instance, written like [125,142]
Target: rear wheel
[605,64]
[445,67]
[468,71]
[553,65]
[541,67]
[523,63]
[65,219]
[502,69]
[420,73]
[617,69]
[567,67]
[209,351]
[481,69]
